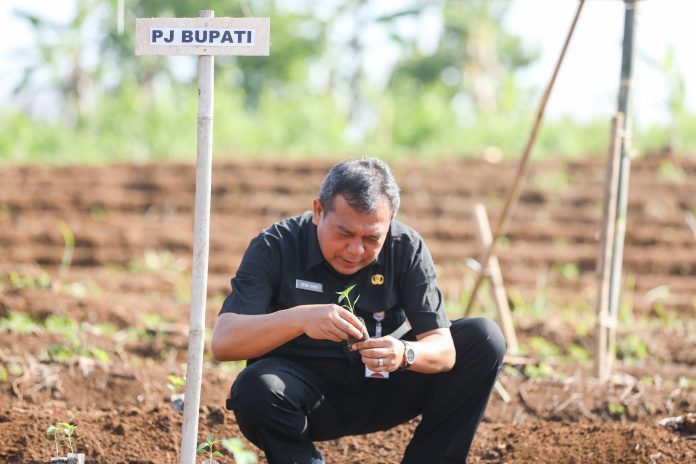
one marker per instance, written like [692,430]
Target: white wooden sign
[202,36]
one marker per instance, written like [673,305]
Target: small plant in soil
[64,436]
[176,385]
[56,441]
[241,455]
[350,306]
[68,248]
[616,409]
[71,438]
[208,447]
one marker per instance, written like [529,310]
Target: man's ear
[317,211]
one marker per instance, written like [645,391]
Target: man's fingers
[341,329]
[349,328]
[337,331]
[353,322]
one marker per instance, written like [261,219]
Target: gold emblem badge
[377,279]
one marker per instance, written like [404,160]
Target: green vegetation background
[314,96]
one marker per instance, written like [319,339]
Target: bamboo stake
[514,194]
[485,237]
[199,284]
[604,260]
[624,169]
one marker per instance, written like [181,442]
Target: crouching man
[303,382]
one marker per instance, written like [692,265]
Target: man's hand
[384,354]
[329,322]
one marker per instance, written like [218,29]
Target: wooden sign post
[205,36]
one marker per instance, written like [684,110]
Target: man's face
[350,240]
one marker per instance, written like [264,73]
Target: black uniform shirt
[284,267]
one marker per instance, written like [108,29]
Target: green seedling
[65,326]
[60,353]
[71,438]
[350,306]
[616,409]
[54,435]
[18,281]
[68,248]
[176,384]
[578,353]
[631,347]
[99,355]
[63,435]
[241,455]
[569,271]
[20,323]
[65,354]
[542,348]
[540,371]
[345,295]
[208,447]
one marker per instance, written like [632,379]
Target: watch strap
[404,362]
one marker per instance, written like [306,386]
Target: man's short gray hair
[364,183]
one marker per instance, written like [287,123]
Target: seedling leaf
[345,295]
[241,455]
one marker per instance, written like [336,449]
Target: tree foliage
[344,76]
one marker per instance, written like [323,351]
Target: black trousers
[282,406]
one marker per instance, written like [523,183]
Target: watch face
[410,356]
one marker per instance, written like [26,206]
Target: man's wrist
[401,356]
[408,356]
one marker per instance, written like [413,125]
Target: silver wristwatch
[409,355]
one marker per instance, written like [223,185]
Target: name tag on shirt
[311,286]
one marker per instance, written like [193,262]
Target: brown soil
[125,296]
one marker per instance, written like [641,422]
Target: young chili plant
[63,435]
[350,306]
[71,438]
[345,295]
[54,434]
[208,447]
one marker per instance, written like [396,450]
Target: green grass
[131,127]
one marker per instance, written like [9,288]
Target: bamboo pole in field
[514,194]
[483,229]
[604,323]
[201,232]
[625,91]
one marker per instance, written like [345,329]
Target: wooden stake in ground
[625,90]
[205,36]
[605,324]
[485,237]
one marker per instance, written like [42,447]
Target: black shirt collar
[315,256]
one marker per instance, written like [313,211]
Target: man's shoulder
[279,239]
[409,250]
[403,233]
[289,228]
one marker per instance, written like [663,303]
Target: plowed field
[95,283]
